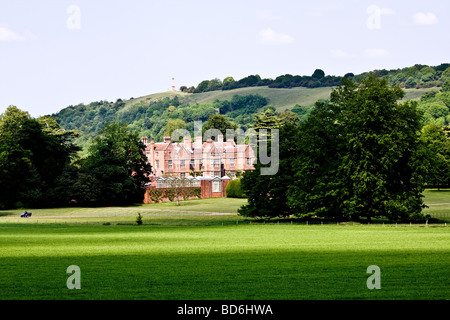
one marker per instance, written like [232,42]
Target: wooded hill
[240,100]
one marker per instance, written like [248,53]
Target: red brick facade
[209,165]
[207,159]
[214,188]
[209,188]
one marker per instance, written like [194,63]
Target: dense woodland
[363,154]
[40,165]
[157,118]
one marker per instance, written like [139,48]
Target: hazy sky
[58,53]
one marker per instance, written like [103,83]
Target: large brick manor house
[207,159]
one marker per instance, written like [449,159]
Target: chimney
[220,138]
[144,140]
[166,139]
[198,147]
[230,142]
[188,142]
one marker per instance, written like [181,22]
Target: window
[182,175]
[216,173]
[232,162]
[215,186]
[160,183]
[217,163]
[170,164]
[182,164]
[249,161]
[192,162]
[156,164]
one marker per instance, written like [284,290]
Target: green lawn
[230,262]
[191,212]
[438,204]
[192,253]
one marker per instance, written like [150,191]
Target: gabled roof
[161,146]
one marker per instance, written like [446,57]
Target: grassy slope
[151,97]
[281,99]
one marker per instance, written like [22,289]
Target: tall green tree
[32,157]
[437,146]
[317,190]
[366,159]
[172,125]
[15,158]
[267,120]
[219,122]
[267,194]
[118,163]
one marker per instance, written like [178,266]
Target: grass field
[281,99]
[192,252]
[438,204]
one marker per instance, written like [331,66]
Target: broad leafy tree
[219,122]
[118,163]
[359,155]
[267,194]
[437,146]
[356,156]
[33,154]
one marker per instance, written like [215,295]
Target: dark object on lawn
[25,214]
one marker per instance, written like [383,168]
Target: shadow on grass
[8,214]
[256,275]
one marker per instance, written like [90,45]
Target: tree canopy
[356,156]
[118,162]
[32,156]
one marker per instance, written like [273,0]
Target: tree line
[363,154]
[40,164]
[417,76]
[316,80]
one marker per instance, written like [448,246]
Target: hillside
[150,114]
[281,99]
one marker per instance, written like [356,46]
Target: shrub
[234,189]
[139,219]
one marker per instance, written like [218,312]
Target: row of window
[214,162]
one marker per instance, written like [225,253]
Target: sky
[57,53]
